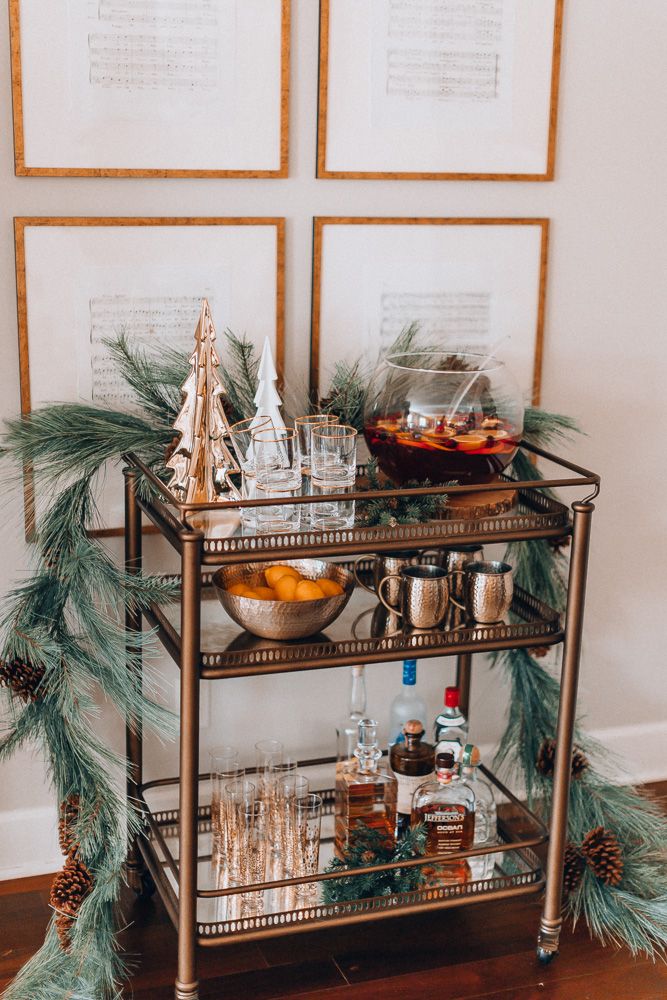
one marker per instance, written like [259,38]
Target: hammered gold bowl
[283,620]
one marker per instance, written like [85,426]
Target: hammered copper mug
[423,595]
[385,565]
[488,588]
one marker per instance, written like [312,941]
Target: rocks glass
[278,475]
[333,471]
[241,437]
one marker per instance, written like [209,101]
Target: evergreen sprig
[398,510]
[369,847]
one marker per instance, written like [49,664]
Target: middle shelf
[363,631]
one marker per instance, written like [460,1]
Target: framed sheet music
[151,88]
[81,280]
[471,284]
[438,89]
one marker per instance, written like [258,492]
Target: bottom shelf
[226,913]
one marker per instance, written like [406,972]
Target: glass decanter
[365,793]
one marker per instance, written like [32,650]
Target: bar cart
[174,854]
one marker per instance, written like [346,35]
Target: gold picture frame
[433,175]
[541,225]
[23,169]
[22,225]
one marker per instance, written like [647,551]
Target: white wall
[604,364]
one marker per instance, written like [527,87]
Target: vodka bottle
[406,705]
[451,726]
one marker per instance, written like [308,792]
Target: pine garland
[370,847]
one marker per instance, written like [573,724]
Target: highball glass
[334,454]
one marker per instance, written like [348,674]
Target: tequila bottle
[406,705]
[347,731]
[446,806]
[365,793]
[486,815]
[451,726]
[411,762]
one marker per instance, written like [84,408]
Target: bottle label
[449,828]
[407,786]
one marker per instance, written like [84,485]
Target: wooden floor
[483,950]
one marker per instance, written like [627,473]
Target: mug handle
[357,577]
[457,604]
[392,576]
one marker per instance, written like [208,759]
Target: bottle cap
[470,756]
[452,697]
[409,672]
[445,760]
[358,671]
[413,727]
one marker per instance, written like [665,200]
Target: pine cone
[70,887]
[573,868]
[64,926]
[603,853]
[23,677]
[69,814]
[546,760]
[171,447]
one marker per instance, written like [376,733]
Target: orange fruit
[250,592]
[329,587]
[307,590]
[265,593]
[240,590]
[285,588]
[274,573]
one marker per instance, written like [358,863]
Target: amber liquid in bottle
[411,762]
[365,793]
[446,807]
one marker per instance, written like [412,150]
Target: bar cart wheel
[544,956]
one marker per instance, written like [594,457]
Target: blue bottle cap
[409,672]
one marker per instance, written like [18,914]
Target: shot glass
[331,514]
[334,454]
[276,458]
[307,826]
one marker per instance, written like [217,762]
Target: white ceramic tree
[267,399]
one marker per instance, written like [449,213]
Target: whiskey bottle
[411,762]
[365,793]
[446,806]
[451,726]
[486,816]
[347,730]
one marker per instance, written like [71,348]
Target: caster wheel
[544,956]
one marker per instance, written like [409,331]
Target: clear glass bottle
[347,731]
[450,731]
[412,763]
[365,792]
[406,705]
[486,814]
[446,806]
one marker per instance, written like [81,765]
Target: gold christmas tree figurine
[201,462]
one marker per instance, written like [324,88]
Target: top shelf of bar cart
[536,514]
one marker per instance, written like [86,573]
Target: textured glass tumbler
[290,789]
[239,798]
[334,454]
[221,758]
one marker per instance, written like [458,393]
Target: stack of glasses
[318,456]
[265,823]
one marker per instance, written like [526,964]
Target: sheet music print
[463,317]
[152,322]
[445,50]
[138,45]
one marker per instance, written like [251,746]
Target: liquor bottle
[451,726]
[365,793]
[347,731]
[411,762]
[486,815]
[446,806]
[406,705]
